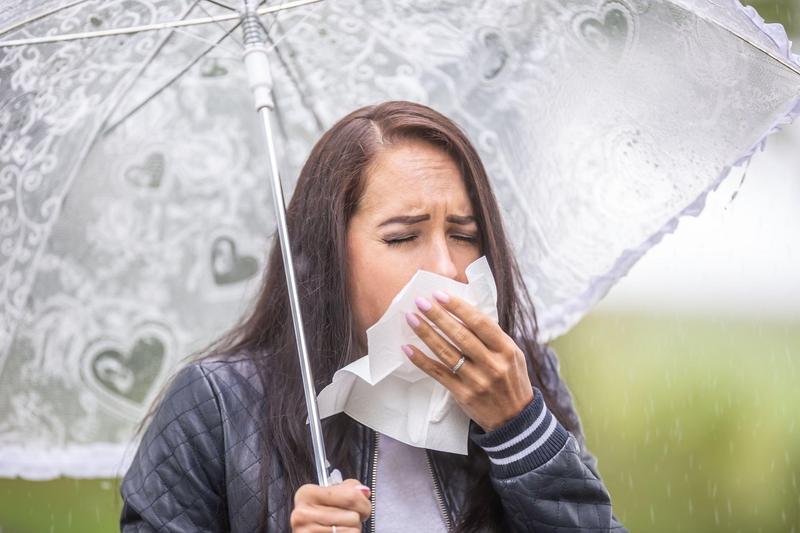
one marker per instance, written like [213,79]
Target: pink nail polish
[441,296]
[423,303]
[412,320]
[407,350]
[364,489]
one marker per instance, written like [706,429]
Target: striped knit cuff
[525,442]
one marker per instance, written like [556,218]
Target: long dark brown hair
[325,198]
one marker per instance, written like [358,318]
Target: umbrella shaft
[317,441]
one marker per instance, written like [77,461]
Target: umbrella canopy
[134,216]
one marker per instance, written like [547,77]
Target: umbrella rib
[154,26]
[144,66]
[169,82]
[286,33]
[212,44]
[200,5]
[220,4]
[710,19]
[194,61]
[295,81]
[38,16]
[779,59]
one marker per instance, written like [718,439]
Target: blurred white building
[740,257]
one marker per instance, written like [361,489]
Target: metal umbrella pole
[260,79]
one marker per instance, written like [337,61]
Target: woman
[388,190]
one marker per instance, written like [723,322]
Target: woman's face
[414,214]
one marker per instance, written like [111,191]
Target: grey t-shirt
[405,499]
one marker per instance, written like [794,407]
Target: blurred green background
[694,420]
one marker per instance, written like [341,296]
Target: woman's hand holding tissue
[492,385]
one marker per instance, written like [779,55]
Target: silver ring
[458,364]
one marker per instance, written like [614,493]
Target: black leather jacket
[198,467]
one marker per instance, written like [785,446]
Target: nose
[441,261]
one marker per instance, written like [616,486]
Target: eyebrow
[409,220]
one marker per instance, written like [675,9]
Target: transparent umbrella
[135,208]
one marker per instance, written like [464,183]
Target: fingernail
[423,304]
[441,296]
[364,489]
[407,350]
[412,320]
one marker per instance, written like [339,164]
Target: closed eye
[397,241]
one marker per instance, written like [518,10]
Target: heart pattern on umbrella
[227,265]
[129,374]
[212,69]
[148,174]
[609,32]
[495,55]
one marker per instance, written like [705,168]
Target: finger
[339,529]
[439,346]
[302,523]
[363,505]
[455,330]
[310,519]
[333,516]
[324,528]
[346,495]
[479,323]
[434,369]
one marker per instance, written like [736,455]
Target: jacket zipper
[438,492]
[373,483]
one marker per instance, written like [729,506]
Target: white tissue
[388,393]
